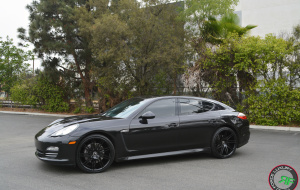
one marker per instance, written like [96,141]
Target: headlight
[65,130]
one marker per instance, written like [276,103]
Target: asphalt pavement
[248,168]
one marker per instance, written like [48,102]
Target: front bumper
[66,154]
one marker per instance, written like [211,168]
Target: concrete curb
[32,113]
[276,128]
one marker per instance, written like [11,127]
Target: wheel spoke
[95,154]
[87,161]
[224,143]
[94,146]
[218,138]
[222,150]
[229,137]
[101,163]
[226,150]
[93,164]
[107,157]
[85,155]
[88,148]
[99,147]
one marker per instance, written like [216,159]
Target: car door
[197,123]
[158,134]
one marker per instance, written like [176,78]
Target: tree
[55,34]
[293,61]
[214,30]
[198,12]
[104,37]
[239,62]
[203,30]
[138,46]
[213,33]
[13,63]
[156,45]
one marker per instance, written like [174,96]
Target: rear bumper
[244,139]
[244,133]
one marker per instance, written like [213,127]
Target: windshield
[124,109]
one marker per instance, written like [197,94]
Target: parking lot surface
[249,168]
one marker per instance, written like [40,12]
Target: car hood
[81,119]
[61,123]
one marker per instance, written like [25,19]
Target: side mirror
[145,116]
[148,115]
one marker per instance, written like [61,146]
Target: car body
[141,128]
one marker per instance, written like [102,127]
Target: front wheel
[95,154]
[224,143]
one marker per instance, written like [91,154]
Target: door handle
[213,121]
[173,125]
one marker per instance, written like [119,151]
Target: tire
[95,154]
[224,143]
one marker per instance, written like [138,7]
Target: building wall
[270,16]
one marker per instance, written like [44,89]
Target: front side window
[124,109]
[194,106]
[161,108]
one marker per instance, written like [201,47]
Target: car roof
[194,97]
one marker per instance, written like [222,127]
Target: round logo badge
[283,177]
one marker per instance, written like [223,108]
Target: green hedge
[40,91]
[275,103]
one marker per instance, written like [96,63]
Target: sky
[264,14]
[13,15]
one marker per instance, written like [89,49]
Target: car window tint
[218,107]
[194,106]
[162,108]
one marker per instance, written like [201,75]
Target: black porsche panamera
[142,128]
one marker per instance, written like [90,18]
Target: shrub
[275,104]
[24,93]
[77,110]
[90,109]
[52,96]
[39,91]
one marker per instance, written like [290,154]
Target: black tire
[95,154]
[224,143]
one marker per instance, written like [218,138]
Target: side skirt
[190,151]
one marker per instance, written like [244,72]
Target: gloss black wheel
[224,143]
[95,154]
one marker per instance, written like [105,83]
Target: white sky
[13,14]
[270,19]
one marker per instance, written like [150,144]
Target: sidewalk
[277,128]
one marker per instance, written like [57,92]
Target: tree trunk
[174,84]
[86,81]
[87,96]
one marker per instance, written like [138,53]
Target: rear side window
[194,106]
[218,107]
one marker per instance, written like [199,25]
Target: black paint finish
[135,138]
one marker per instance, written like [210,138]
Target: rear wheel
[95,154]
[224,143]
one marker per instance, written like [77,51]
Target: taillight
[242,116]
